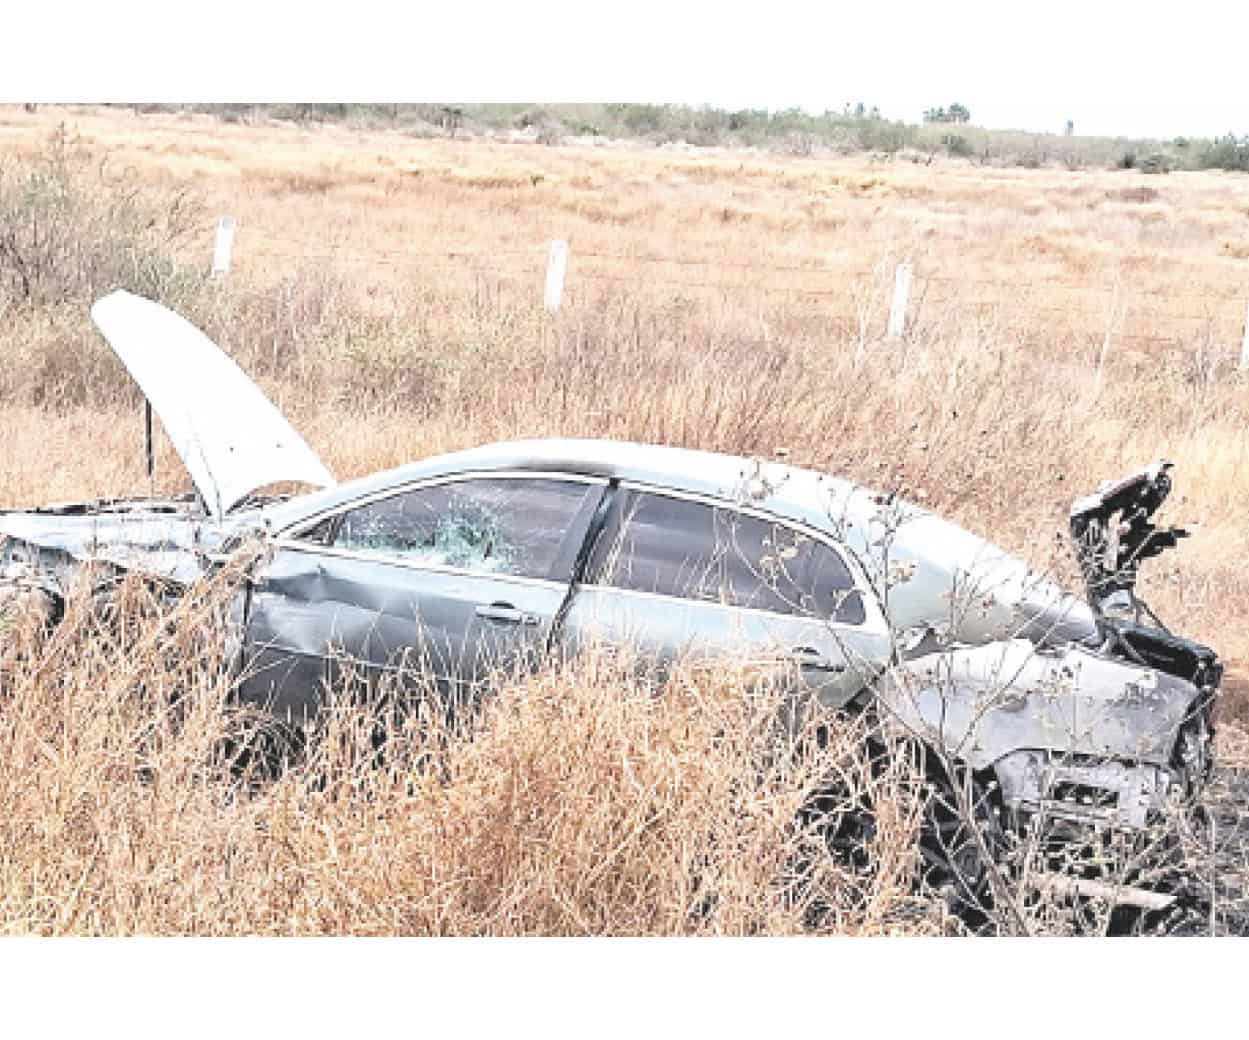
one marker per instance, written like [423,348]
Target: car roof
[876,529]
[775,487]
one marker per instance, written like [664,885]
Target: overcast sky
[1139,68]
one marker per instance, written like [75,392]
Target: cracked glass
[513,527]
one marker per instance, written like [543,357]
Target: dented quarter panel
[969,590]
[983,703]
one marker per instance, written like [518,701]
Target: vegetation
[956,113]
[576,803]
[73,226]
[387,294]
[1224,153]
[857,127]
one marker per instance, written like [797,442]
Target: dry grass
[1000,406]
[585,799]
[578,801]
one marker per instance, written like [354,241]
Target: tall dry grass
[588,798]
[581,800]
[123,814]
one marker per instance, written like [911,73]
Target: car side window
[492,526]
[676,547]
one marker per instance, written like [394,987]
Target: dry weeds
[1001,405]
[582,800]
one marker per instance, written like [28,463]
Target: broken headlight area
[1192,760]
[1071,793]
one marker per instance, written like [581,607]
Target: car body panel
[434,611]
[984,702]
[169,539]
[834,662]
[229,436]
[317,620]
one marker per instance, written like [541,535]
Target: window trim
[290,537]
[613,526]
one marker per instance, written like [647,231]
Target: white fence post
[556,266]
[223,246]
[1244,344]
[901,294]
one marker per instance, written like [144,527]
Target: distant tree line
[956,113]
[854,126]
[1223,153]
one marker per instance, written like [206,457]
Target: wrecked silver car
[1087,711]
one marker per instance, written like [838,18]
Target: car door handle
[506,614]
[809,657]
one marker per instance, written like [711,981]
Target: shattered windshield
[495,526]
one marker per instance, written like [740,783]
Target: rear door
[674,576]
[450,579]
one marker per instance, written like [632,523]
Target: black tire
[962,840]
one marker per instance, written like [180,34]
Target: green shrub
[643,119]
[881,135]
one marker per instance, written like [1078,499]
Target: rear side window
[513,527]
[675,547]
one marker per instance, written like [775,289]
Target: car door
[675,576]
[450,579]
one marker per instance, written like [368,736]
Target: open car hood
[229,436]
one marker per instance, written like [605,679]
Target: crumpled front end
[169,541]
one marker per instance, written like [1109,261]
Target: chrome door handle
[809,657]
[506,614]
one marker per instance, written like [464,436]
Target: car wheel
[962,840]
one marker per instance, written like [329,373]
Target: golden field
[1066,326]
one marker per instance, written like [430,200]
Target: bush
[71,230]
[884,136]
[1225,153]
[642,119]
[956,145]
